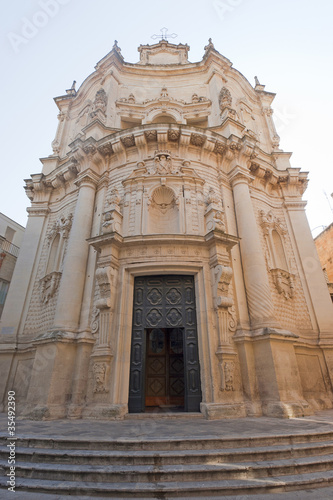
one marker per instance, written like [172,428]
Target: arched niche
[163,211]
[52,264]
[279,254]
[168,116]
[164,118]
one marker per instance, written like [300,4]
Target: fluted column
[73,275]
[254,267]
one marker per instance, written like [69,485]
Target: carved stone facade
[167,229]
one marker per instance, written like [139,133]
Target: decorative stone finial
[72,90]
[210,45]
[116,48]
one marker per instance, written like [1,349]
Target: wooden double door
[164,369]
[164,385]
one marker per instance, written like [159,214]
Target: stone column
[254,267]
[68,308]
[316,283]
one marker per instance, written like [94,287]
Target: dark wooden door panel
[165,303]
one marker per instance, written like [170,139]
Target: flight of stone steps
[171,468]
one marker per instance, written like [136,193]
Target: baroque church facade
[167,261]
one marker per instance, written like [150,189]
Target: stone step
[322,493]
[196,489]
[168,457]
[190,443]
[172,473]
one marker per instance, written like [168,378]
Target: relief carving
[162,163]
[49,285]
[284,283]
[99,371]
[163,198]
[104,278]
[112,218]
[269,222]
[94,325]
[229,370]
[221,280]
[62,226]
[214,215]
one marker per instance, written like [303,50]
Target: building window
[4,285]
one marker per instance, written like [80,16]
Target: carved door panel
[164,367]
[165,302]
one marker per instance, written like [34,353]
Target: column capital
[38,211]
[240,175]
[298,205]
[87,178]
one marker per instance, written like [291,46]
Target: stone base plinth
[291,409]
[216,411]
[45,412]
[105,411]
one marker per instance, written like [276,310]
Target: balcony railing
[7,246]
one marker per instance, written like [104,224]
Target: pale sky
[46,44]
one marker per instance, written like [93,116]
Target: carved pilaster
[226,323]
[103,310]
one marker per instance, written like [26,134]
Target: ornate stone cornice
[38,188]
[38,211]
[293,182]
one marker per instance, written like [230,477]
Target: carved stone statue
[99,103]
[225,99]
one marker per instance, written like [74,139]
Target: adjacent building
[324,245]
[168,263]
[11,236]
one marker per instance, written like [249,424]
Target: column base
[74,412]
[216,411]
[253,409]
[285,409]
[46,412]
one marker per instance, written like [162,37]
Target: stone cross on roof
[164,35]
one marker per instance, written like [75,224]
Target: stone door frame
[119,383]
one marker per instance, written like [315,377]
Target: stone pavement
[166,426]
